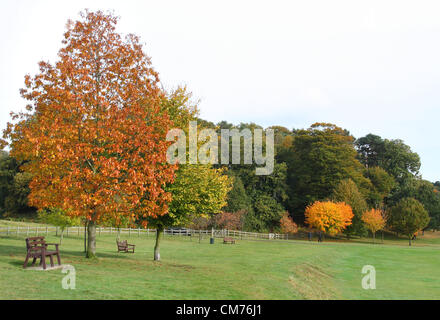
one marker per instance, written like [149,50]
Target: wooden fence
[79,232]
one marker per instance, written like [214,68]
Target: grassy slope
[247,270]
[13,224]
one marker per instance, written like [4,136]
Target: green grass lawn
[6,223]
[246,270]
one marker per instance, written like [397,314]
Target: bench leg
[58,258]
[43,260]
[51,260]
[26,261]
[33,261]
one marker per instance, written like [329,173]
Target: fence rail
[79,231]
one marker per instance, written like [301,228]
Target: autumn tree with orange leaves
[287,225]
[94,132]
[329,217]
[374,220]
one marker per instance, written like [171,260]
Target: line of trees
[326,163]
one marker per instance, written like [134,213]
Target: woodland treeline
[326,162]
[323,162]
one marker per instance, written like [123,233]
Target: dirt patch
[312,282]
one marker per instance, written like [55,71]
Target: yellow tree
[94,135]
[329,217]
[374,220]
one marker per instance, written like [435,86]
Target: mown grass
[247,270]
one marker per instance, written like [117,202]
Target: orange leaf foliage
[374,220]
[328,216]
[95,141]
[230,220]
[287,225]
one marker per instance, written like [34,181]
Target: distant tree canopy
[407,217]
[423,191]
[382,183]
[238,199]
[394,156]
[316,164]
[14,186]
[318,159]
[347,191]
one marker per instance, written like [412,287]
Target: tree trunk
[61,235]
[85,236]
[159,231]
[91,240]
[374,237]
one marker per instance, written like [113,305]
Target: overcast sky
[367,66]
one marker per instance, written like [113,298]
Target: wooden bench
[38,248]
[123,246]
[229,240]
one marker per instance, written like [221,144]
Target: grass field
[247,270]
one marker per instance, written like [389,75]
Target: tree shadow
[13,251]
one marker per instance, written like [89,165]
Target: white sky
[367,66]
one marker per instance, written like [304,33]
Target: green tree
[238,198]
[423,191]
[407,217]
[371,150]
[58,217]
[266,215]
[394,156]
[197,191]
[17,198]
[319,158]
[381,185]
[347,191]
[14,186]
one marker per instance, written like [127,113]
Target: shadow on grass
[12,252]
